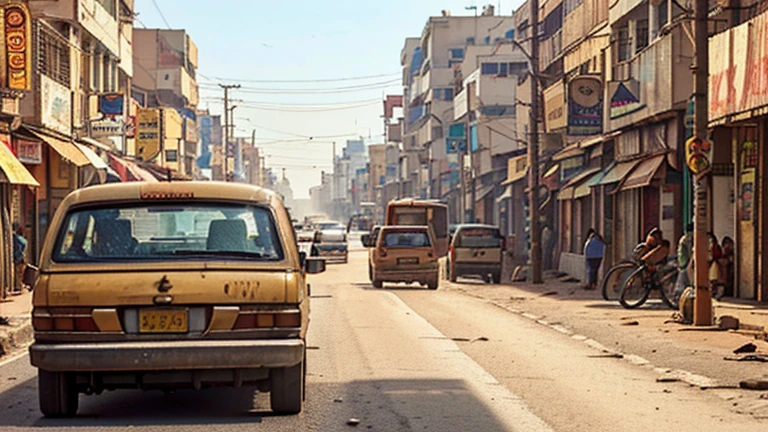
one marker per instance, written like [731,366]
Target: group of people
[655,251]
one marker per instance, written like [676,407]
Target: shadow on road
[379,404]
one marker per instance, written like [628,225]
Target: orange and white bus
[433,214]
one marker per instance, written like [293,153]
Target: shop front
[738,113]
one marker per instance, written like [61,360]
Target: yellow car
[403,254]
[170,285]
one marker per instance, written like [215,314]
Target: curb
[665,374]
[18,335]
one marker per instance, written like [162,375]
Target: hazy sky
[257,44]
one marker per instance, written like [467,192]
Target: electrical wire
[161,14]
[357,78]
[304,105]
[283,108]
[263,90]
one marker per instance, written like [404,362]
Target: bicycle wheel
[634,292]
[668,287]
[611,284]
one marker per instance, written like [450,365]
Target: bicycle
[647,278]
[614,279]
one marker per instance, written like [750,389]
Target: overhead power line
[161,14]
[319,90]
[354,78]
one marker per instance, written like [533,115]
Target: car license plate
[407,260]
[163,321]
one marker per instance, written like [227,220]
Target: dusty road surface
[405,358]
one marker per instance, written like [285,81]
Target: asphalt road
[409,359]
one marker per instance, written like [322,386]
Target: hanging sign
[698,152]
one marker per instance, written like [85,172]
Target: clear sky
[257,44]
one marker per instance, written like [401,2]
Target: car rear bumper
[477,268]
[167,355]
[394,275]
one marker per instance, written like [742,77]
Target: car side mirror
[314,265]
[302,259]
[366,240]
[31,274]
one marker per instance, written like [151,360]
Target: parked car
[404,254]
[306,241]
[369,241]
[331,242]
[476,250]
[166,286]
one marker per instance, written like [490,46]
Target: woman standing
[594,250]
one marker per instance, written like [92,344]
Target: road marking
[13,358]
[505,405]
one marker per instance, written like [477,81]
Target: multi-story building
[166,65]
[428,73]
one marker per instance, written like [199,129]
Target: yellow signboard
[17,36]
[148,136]
[698,153]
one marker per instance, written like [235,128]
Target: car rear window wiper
[197,252]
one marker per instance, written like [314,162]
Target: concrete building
[166,64]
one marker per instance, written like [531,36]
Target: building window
[470,40]
[457,53]
[443,94]
[518,69]
[489,69]
[171,156]
[487,40]
[53,55]
[663,15]
[624,43]
[503,69]
[96,72]
[510,34]
[641,35]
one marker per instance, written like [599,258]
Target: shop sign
[585,106]
[111,104]
[17,28]
[624,99]
[29,152]
[738,62]
[554,107]
[147,133]
[55,105]
[190,130]
[698,153]
[106,128]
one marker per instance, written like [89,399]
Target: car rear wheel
[287,389]
[433,283]
[58,393]
[452,274]
[497,277]
[376,282]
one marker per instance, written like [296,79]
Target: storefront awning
[12,171]
[95,160]
[129,171]
[92,142]
[568,190]
[484,192]
[585,188]
[589,142]
[517,177]
[644,173]
[618,172]
[568,152]
[67,150]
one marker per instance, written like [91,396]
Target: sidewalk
[647,336]
[17,334]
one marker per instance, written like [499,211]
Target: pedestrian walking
[19,258]
[594,250]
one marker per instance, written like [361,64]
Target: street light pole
[533,150]
[702,311]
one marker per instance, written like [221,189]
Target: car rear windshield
[168,232]
[406,239]
[479,238]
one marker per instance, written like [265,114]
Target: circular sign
[586,91]
[698,152]
[14,17]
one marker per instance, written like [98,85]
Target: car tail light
[64,320]
[431,253]
[452,252]
[248,320]
[383,252]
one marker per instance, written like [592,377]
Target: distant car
[476,250]
[331,242]
[404,254]
[306,241]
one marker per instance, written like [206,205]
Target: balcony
[550,49]
[654,81]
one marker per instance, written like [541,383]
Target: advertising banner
[585,106]
[148,133]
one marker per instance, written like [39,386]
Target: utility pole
[533,150]
[227,122]
[702,311]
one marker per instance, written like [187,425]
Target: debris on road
[608,355]
[630,323]
[548,293]
[754,384]
[338,400]
[746,348]
[749,357]
[353,422]
[480,339]
[728,322]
